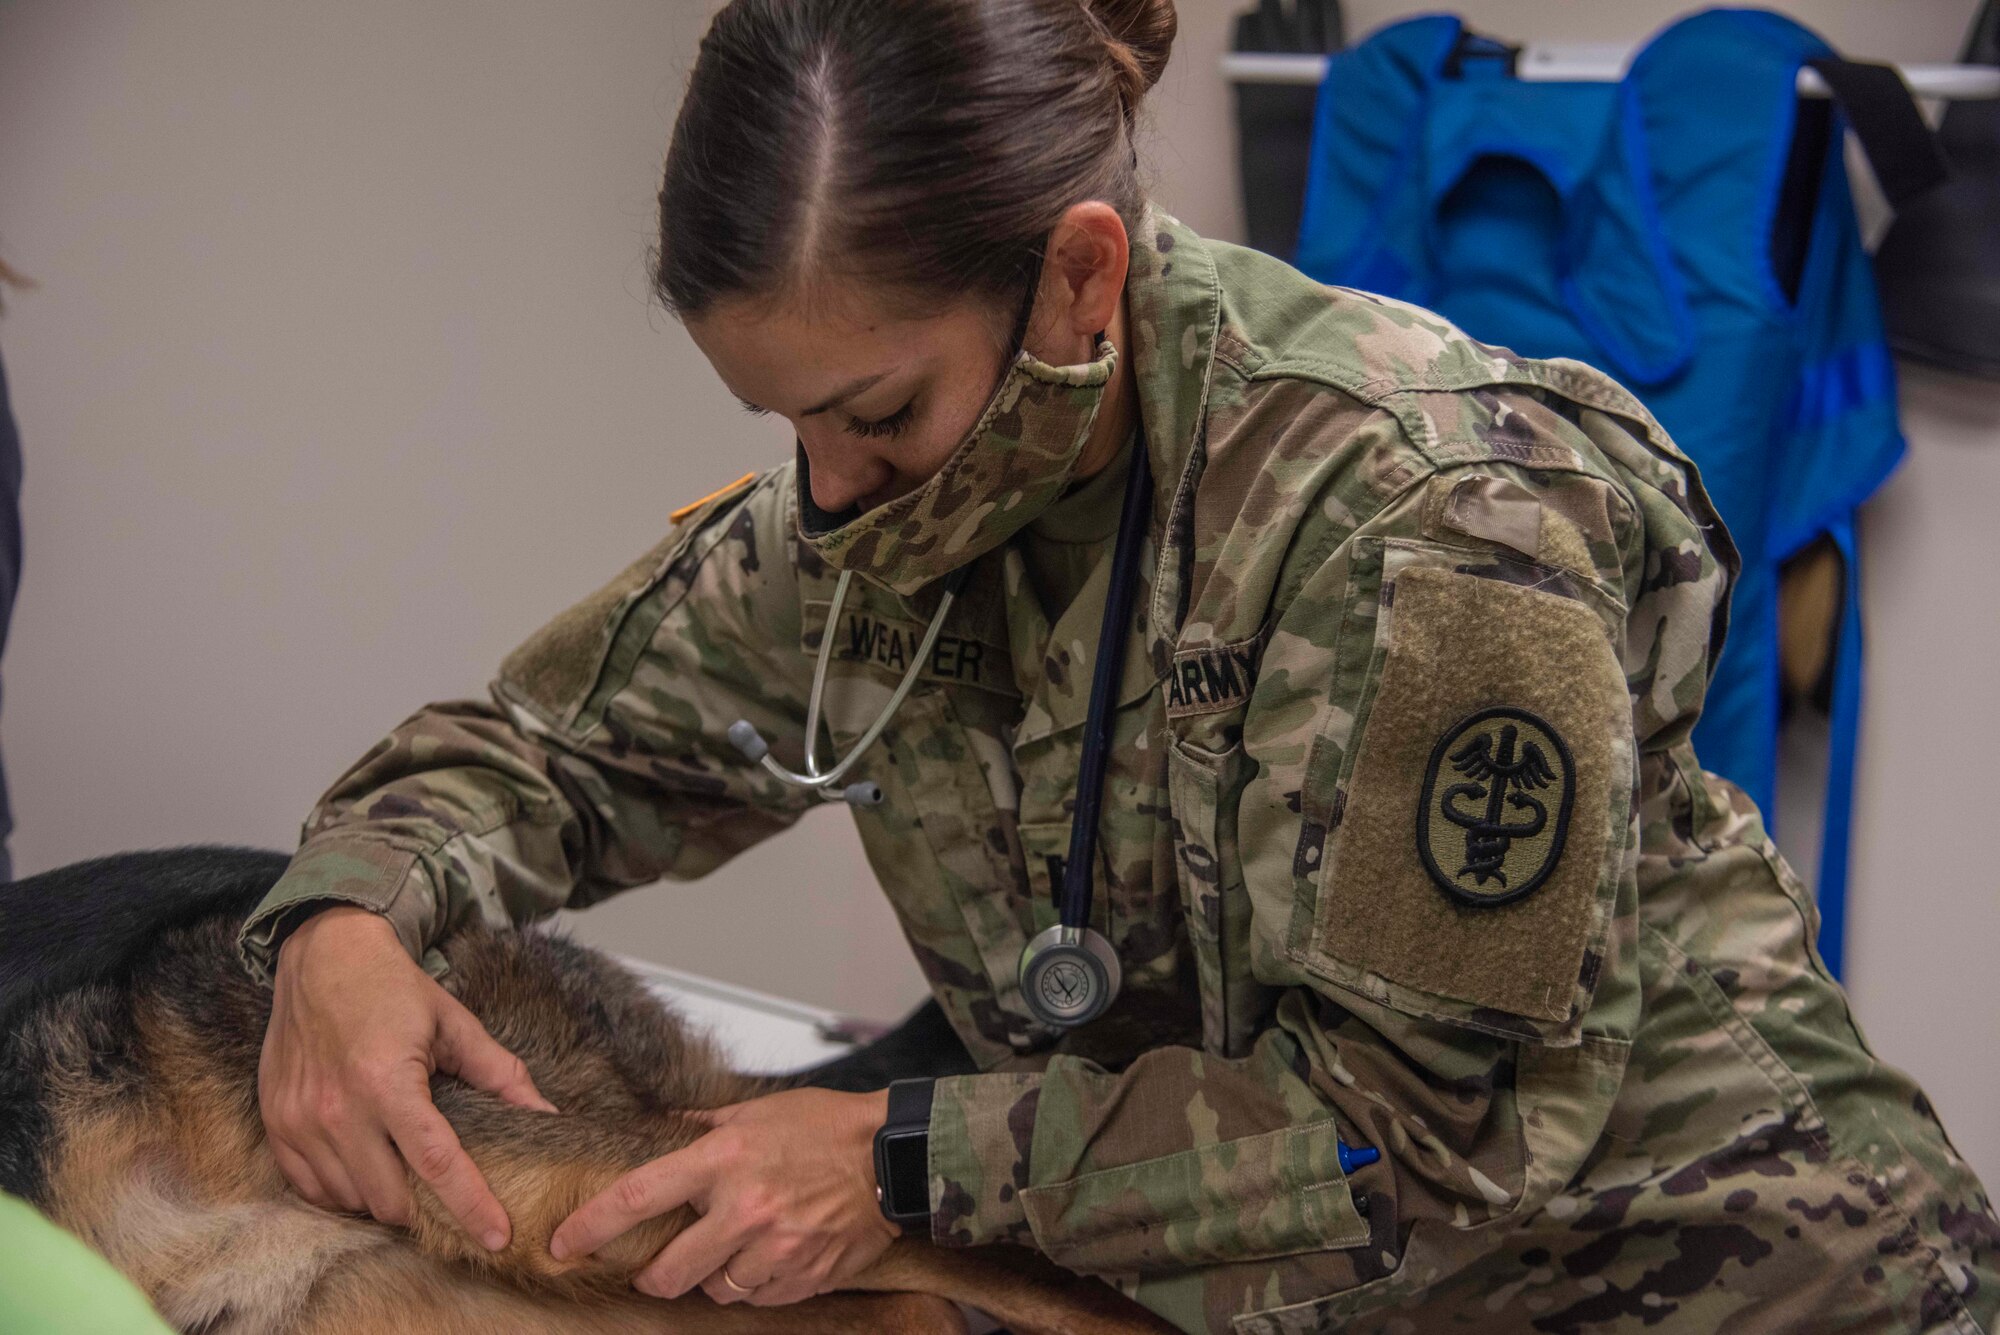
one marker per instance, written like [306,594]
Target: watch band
[902,1156]
[910,1101]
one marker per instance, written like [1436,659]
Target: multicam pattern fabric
[1014,462]
[1677,1127]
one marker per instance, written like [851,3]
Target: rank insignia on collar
[1495,806]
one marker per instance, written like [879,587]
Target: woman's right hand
[344,1082]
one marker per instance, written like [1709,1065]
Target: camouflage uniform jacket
[1403,844]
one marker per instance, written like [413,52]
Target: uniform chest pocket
[1045,852]
[1475,798]
[1203,789]
[976,902]
[1134,902]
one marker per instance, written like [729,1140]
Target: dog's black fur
[92,922]
[128,1113]
[106,911]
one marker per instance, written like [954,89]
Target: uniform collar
[1053,663]
[1088,512]
[1173,303]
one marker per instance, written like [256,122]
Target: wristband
[902,1156]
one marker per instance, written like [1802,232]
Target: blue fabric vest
[1629,225]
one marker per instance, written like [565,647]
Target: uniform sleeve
[600,762]
[1433,806]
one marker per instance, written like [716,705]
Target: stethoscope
[1069,973]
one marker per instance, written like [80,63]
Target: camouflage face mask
[1014,462]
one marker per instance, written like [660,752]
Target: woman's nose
[843,472]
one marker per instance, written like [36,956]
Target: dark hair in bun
[1140,34]
[925,146]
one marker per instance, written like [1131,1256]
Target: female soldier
[1452,988]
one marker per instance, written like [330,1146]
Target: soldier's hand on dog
[785,1186]
[344,1081]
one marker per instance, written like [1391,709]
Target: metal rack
[1600,62]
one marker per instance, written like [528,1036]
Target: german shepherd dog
[129,1043]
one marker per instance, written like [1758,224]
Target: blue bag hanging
[1663,229]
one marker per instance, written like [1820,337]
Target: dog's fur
[129,1041]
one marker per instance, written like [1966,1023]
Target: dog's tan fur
[156,1157]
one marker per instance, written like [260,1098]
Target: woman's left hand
[785,1186]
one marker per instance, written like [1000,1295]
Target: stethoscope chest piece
[1069,972]
[1068,976]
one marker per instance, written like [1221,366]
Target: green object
[51,1284]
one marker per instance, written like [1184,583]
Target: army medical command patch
[1495,806]
[1475,850]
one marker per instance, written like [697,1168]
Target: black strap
[1906,156]
[1472,46]
[910,1102]
[1073,900]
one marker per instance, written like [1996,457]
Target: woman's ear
[1083,281]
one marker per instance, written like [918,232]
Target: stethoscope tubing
[1073,896]
[1069,955]
[1073,902]
[746,738]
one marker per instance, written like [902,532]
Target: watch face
[908,1190]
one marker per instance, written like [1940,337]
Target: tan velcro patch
[555,669]
[1471,852]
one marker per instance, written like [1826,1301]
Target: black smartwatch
[903,1157]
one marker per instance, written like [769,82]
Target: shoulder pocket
[1476,795]
[555,672]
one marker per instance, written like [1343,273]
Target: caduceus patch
[1495,806]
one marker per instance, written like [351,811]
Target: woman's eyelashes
[892,425]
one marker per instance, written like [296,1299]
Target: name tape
[890,643]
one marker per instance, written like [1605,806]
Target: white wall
[342,377]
